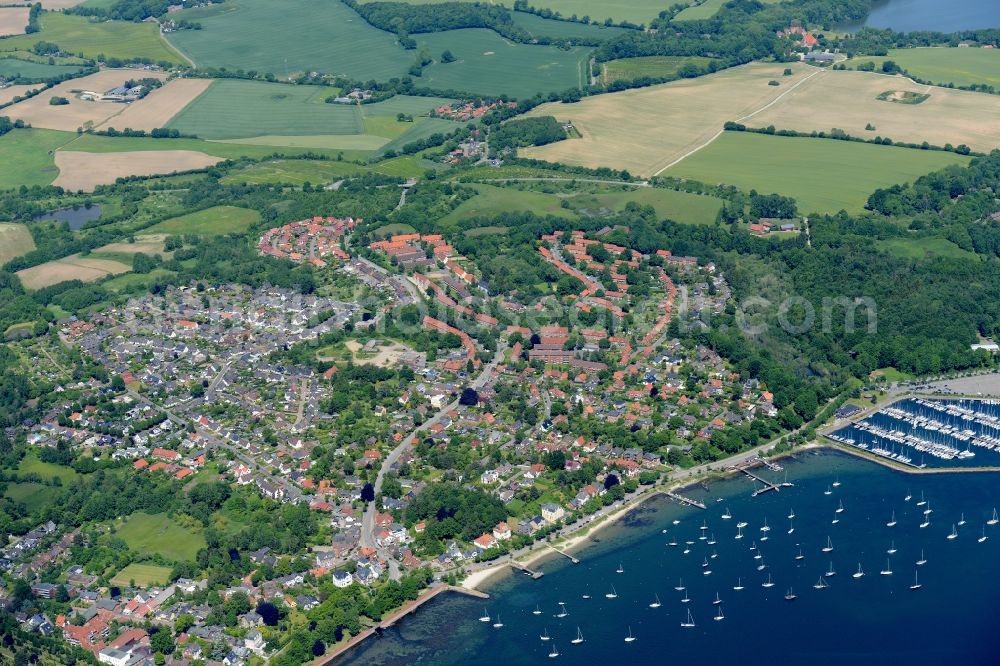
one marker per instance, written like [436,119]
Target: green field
[493,200]
[543,27]
[15,240]
[31,464]
[209,222]
[422,130]
[291,36]
[26,156]
[157,533]
[293,172]
[708,9]
[627,69]
[634,11]
[923,248]
[35,496]
[144,575]
[408,104]
[486,63]
[682,207]
[12,68]
[824,175]
[942,65]
[114,39]
[232,109]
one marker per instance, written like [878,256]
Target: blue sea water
[870,620]
[939,15]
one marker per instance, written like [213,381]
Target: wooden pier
[767,484]
[684,500]
[566,555]
[529,572]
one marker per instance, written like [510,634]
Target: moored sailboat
[579,637]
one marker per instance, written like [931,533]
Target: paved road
[368,522]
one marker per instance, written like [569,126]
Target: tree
[162,642]
[368,493]
[610,481]
[447,56]
[318,648]
[469,397]
[555,460]
[117,383]
[269,613]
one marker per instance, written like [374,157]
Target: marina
[754,593]
[929,433]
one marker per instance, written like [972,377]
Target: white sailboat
[704,525]
[909,495]
[859,573]
[630,637]
[739,585]
[892,548]
[689,623]
[562,610]
[828,491]
[554,652]
[498,624]
[545,635]
[537,611]
[821,584]
[612,594]
[718,600]
[680,585]
[768,582]
[791,514]
[922,561]
[705,563]
[983,538]
[916,583]
[791,526]
[892,521]
[765,527]
[739,533]
[686,598]
[485,616]
[800,556]
[719,616]
[840,507]
[836,519]
[711,540]
[954,533]
[790,595]
[741,524]
[928,511]
[579,637]
[831,571]
[888,569]
[586,594]
[922,500]
[994,520]
[961,520]
[926,523]
[829,546]
[727,515]
[836,484]
[656,601]
[761,566]
[619,569]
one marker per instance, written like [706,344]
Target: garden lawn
[209,222]
[823,175]
[291,36]
[144,575]
[943,65]
[486,63]
[113,39]
[157,533]
[31,464]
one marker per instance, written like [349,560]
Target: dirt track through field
[85,171]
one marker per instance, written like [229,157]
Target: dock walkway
[683,500]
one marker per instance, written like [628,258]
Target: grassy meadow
[942,65]
[144,575]
[113,39]
[15,240]
[14,68]
[924,248]
[27,158]
[627,69]
[31,464]
[291,36]
[214,221]
[708,9]
[158,533]
[824,175]
[543,27]
[486,63]
[35,496]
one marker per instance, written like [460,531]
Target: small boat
[753,545]
[840,507]
[859,573]
[714,555]
[739,533]
[768,582]
[486,616]
[680,585]
[821,584]
[554,653]
[791,514]
[983,538]
[739,585]
[922,500]
[829,546]
[916,583]
[619,569]
[761,566]
[711,541]
[727,515]
[892,548]
[836,519]
[579,637]
[656,602]
[498,624]
[828,491]
[630,637]
[790,595]
[994,520]
[704,525]
[705,563]
[562,610]
[909,495]
[830,572]
[764,538]
[612,594]
[928,511]
[892,521]
[717,601]
[791,526]
[741,525]
[759,555]
[676,522]
[888,569]
[836,484]
[954,533]
[800,556]
[689,623]
[586,595]
[706,572]
[924,524]
[686,551]
[545,635]
[672,543]
[719,616]
[765,527]
[922,561]
[686,598]
[961,520]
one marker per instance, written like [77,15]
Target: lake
[938,15]
[873,619]
[76,217]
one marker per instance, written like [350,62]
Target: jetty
[768,485]
[566,555]
[535,575]
[683,500]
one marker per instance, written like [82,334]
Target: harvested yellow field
[85,171]
[78,113]
[158,107]
[13,20]
[10,92]
[646,130]
[849,101]
[73,267]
